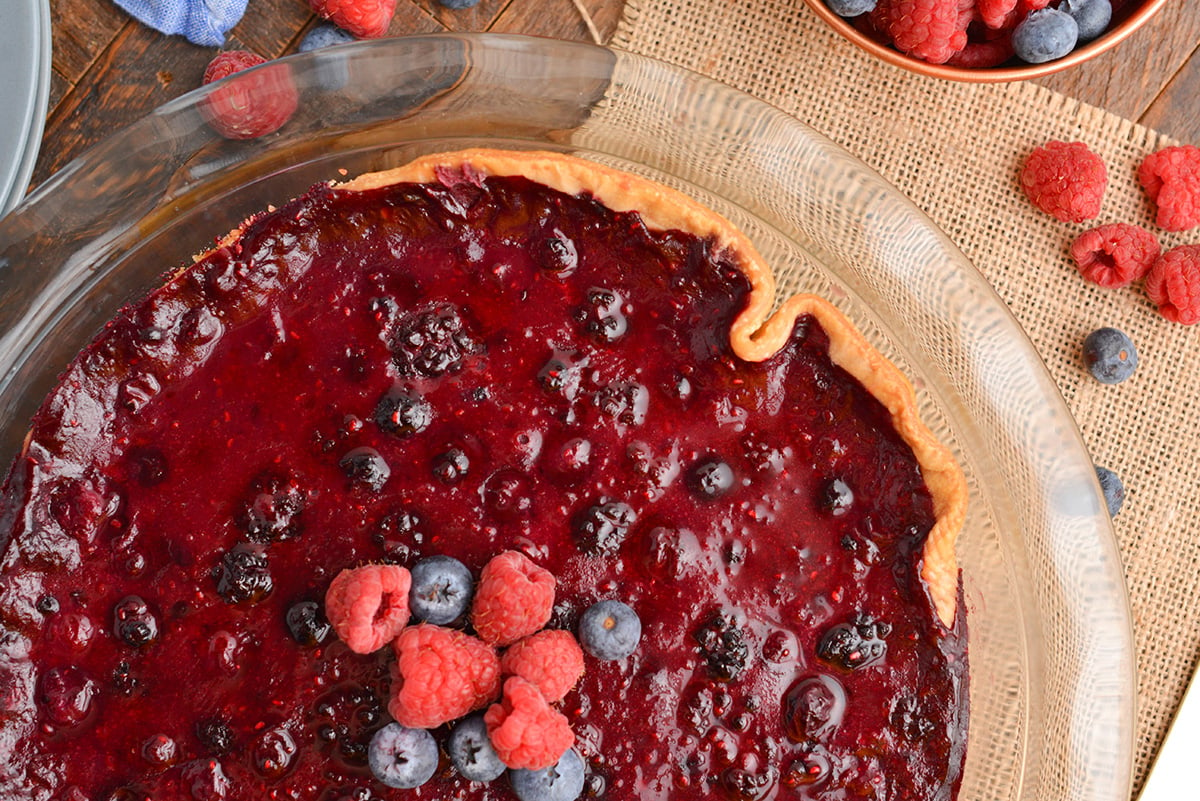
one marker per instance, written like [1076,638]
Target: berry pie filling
[376,375]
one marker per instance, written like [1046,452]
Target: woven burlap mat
[956,149]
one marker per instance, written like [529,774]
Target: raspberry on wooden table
[525,730]
[513,600]
[550,659]
[366,19]
[1171,178]
[368,606]
[1115,255]
[1173,284]
[251,105]
[1066,180]
[440,675]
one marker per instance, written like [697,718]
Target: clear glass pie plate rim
[1052,688]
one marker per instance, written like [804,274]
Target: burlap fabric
[956,150]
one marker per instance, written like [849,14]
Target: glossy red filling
[462,370]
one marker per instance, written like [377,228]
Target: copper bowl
[1128,17]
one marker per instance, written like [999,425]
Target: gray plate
[24,93]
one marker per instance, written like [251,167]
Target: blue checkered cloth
[203,22]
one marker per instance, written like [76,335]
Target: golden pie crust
[756,334]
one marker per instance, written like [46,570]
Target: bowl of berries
[414,418]
[986,40]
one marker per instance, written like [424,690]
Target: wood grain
[110,70]
[1128,79]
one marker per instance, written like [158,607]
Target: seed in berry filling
[134,623]
[365,467]
[855,645]
[307,624]
[403,413]
[244,575]
[710,478]
[601,528]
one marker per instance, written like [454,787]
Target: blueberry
[451,466]
[432,341]
[1091,16]
[134,623]
[366,467]
[401,757]
[710,478]
[403,413]
[1113,488]
[850,8]
[601,315]
[471,751]
[562,781]
[609,630]
[1109,355]
[441,589]
[1045,35]
[307,624]
[324,35]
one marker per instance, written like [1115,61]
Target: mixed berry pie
[526,373]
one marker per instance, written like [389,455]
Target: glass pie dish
[1052,672]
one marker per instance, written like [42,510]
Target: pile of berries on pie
[496,683]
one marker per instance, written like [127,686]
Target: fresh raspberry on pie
[551,660]
[1066,180]
[368,606]
[252,105]
[1115,255]
[1173,284]
[524,729]
[1171,178]
[440,675]
[366,19]
[513,600]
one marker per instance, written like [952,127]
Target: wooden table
[109,70]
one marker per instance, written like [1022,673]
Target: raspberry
[513,600]
[441,675]
[931,30]
[1115,255]
[1173,284]
[366,19]
[368,606]
[996,13]
[550,660]
[1066,180]
[252,105]
[1171,177]
[525,730]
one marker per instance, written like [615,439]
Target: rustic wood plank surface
[109,70]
